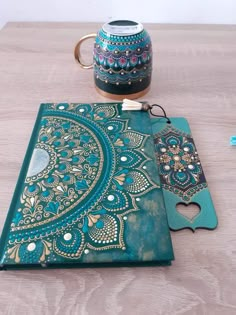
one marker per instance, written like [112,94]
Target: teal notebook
[88,193]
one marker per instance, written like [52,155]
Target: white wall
[159,11]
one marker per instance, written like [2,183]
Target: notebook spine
[18,187]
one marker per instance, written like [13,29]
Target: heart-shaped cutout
[189,211]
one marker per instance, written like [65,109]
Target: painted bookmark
[182,177]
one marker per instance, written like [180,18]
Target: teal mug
[122,59]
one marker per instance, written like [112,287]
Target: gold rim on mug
[122,96]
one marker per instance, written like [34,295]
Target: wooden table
[194,76]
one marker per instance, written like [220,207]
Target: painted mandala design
[85,176]
[179,164]
[122,59]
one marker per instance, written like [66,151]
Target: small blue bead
[50,180]
[233,140]
[99,225]
[32,188]
[46,193]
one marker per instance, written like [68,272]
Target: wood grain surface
[194,76]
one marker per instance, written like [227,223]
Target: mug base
[120,97]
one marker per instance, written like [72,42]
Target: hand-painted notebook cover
[88,193]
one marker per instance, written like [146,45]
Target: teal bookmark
[182,177]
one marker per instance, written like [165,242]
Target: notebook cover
[88,193]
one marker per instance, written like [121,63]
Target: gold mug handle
[77,53]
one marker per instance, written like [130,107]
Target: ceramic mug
[122,59]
